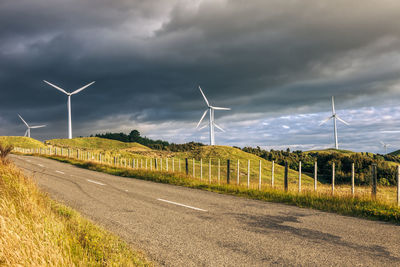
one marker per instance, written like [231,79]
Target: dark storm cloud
[147,57]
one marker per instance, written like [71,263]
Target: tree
[134,136]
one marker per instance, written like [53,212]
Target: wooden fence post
[194,167]
[315,175]
[219,171]
[146,163]
[160,164]
[209,170]
[273,174]
[398,186]
[248,173]
[333,178]
[286,182]
[299,176]
[187,166]
[259,176]
[238,173]
[201,169]
[352,179]
[374,181]
[155,163]
[228,166]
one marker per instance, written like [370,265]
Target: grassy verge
[37,231]
[346,205]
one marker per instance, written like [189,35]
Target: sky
[275,63]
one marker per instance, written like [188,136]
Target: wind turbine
[334,117]
[69,103]
[28,131]
[385,146]
[212,122]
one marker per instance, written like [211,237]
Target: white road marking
[28,160]
[60,172]
[40,165]
[95,182]
[179,204]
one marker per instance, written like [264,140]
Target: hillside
[21,141]
[395,153]
[96,143]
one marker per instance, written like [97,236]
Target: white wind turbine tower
[28,131]
[69,103]
[212,122]
[385,146]
[334,117]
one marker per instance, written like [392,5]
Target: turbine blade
[216,125]
[23,120]
[202,117]
[219,108]
[82,88]
[202,127]
[324,121]
[333,105]
[39,126]
[58,88]
[205,98]
[342,120]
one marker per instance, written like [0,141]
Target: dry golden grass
[36,231]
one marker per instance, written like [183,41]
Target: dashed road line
[60,172]
[182,205]
[40,165]
[91,181]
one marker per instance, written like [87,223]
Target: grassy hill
[96,143]
[21,141]
[395,153]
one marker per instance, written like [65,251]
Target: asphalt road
[177,226]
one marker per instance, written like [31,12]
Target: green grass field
[96,143]
[21,141]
